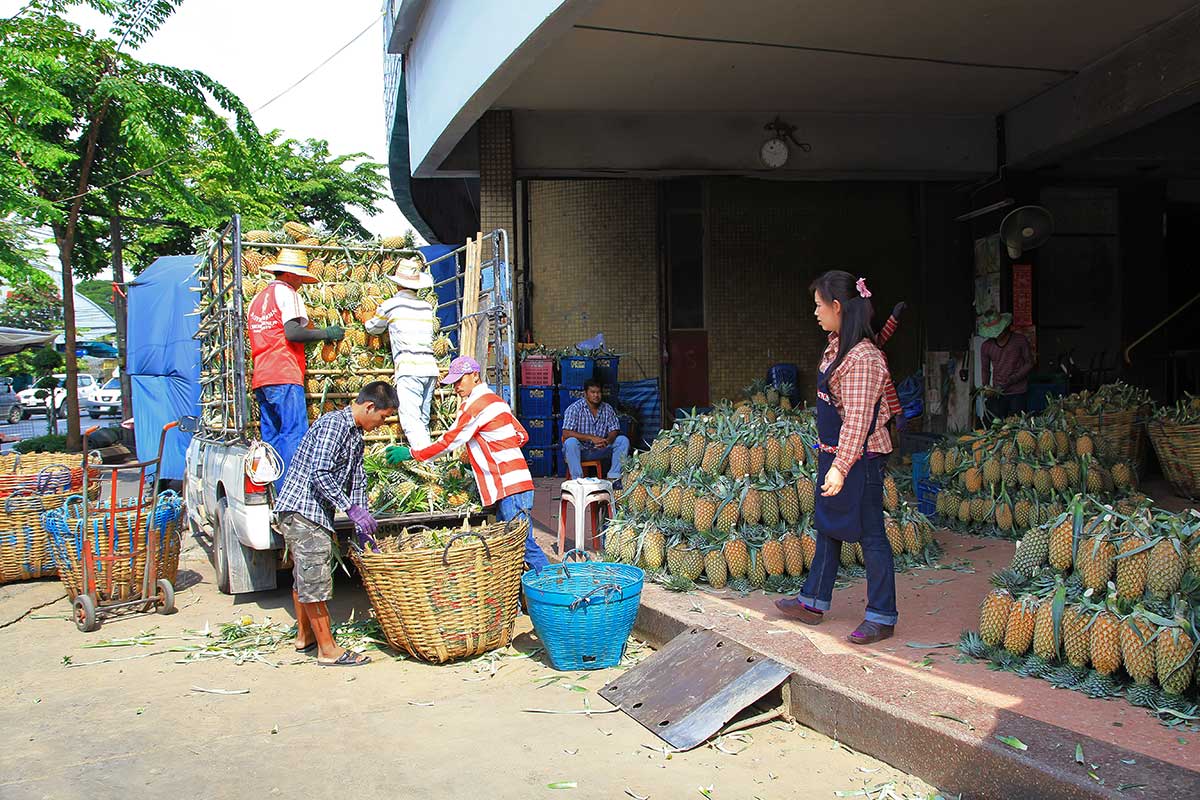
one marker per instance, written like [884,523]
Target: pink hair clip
[863,291]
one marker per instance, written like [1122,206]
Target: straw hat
[992,325]
[410,275]
[293,262]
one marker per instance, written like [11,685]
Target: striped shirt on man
[408,321]
[493,437]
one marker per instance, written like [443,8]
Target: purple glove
[365,525]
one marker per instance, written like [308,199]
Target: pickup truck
[39,401]
[222,501]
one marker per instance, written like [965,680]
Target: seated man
[591,432]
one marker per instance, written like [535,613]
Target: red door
[687,369]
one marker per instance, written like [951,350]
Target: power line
[314,70]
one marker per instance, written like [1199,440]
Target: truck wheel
[223,530]
[94,414]
[61,413]
[15,415]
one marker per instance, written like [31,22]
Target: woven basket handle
[23,491]
[453,539]
[606,588]
[51,479]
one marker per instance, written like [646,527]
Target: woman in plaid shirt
[851,420]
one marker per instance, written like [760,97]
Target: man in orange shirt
[278,323]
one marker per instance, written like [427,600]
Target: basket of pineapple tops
[1113,414]
[445,594]
[1104,600]
[1175,432]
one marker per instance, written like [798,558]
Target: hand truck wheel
[85,613]
[165,600]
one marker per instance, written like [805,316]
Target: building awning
[14,340]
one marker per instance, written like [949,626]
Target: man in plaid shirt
[326,475]
[592,432]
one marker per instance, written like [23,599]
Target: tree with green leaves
[83,119]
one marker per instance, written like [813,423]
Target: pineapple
[296,230]
[806,491]
[1137,649]
[727,512]
[1122,475]
[695,450]
[441,346]
[628,544]
[789,503]
[714,457]
[808,545]
[257,236]
[895,536]
[1059,479]
[1045,443]
[1032,551]
[1025,473]
[1044,644]
[1004,516]
[1062,544]
[673,500]
[891,494]
[739,461]
[1165,570]
[964,511]
[751,505]
[1174,658]
[612,539]
[1132,569]
[993,616]
[1042,483]
[678,459]
[793,554]
[685,561]
[847,555]
[937,462]
[1023,513]
[773,455]
[972,480]
[756,572]
[736,557]
[715,570]
[773,557]
[1075,636]
[770,508]
[912,537]
[653,547]
[981,509]
[706,513]
[1026,443]
[1104,643]
[1018,632]
[1094,562]
[1084,446]
[394,242]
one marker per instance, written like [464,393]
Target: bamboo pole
[469,327]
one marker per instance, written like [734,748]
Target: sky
[257,48]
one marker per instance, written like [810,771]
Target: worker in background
[1006,361]
[409,322]
[592,432]
[327,476]
[279,330]
[493,437]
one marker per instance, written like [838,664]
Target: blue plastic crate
[541,430]
[920,467]
[541,460]
[927,492]
[566,396]
[536,401]
[606,369]
[574,371]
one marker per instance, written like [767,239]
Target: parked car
[10,404]
[106,400]
[32,403]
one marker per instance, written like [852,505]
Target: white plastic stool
[588,496]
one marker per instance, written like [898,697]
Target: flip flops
[347,659]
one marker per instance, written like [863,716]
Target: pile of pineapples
[353,284]
[1102,599]
[728,497]
[1020,473]
[446,484]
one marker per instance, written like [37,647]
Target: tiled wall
[594,254]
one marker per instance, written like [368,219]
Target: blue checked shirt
[326,473]
[578,417]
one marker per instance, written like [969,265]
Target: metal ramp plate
[686,692]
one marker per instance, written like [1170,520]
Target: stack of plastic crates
[119,553]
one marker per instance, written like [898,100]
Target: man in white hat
[409,322]
[278,323]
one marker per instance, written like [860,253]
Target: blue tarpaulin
[444,270]
[163,358]
[643,400]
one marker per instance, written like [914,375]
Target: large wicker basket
[441,604]
[25,547]
[42,473]
[121,578]
[1119,435]
[1178,450]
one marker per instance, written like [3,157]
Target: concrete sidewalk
[907,702]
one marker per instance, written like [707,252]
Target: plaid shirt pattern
[890,398]
[326,473]
[579,418]
[855,386]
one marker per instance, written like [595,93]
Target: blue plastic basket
[927,492]
[583,612]
[536,401]
[574,371]
[920,467]
[541,430]
[541,460]
[566,396]
[607,369]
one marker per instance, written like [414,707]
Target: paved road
[36,426]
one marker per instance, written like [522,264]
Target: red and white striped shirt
[493,438]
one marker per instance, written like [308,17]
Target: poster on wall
[987,294]
[1022,295]
[987,255]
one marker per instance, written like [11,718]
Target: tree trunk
[119,311]
[65,238]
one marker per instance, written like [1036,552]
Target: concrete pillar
[497,187]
